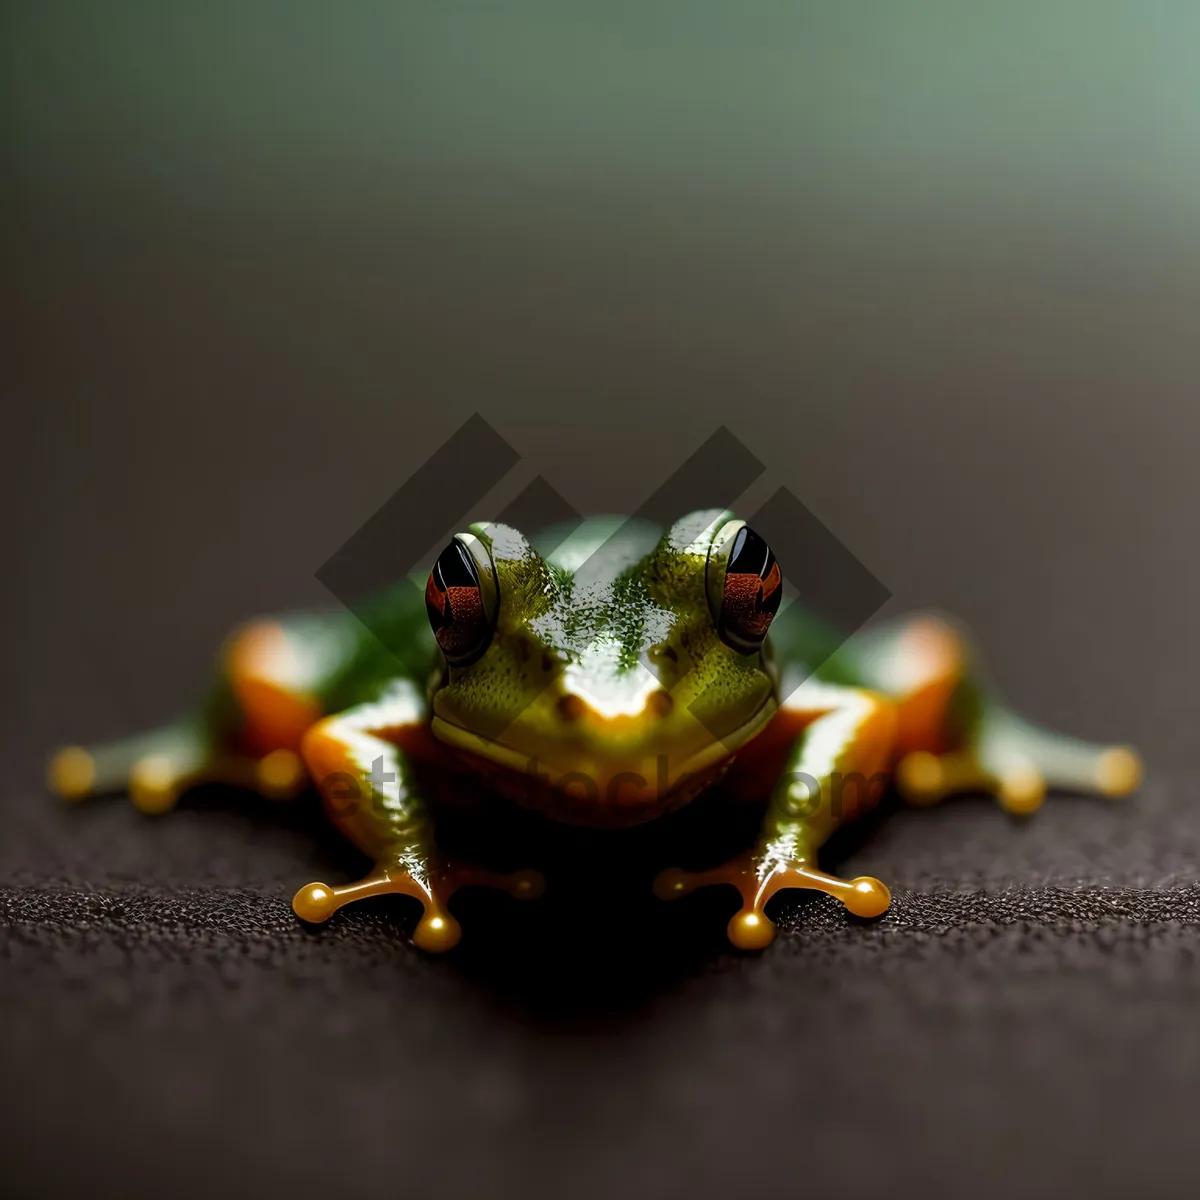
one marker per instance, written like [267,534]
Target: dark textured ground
[1023,1021]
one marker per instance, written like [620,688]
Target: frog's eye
[750,591]
[457,605]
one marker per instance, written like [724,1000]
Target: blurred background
[936,264]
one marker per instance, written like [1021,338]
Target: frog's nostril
[570,707]
[660,703]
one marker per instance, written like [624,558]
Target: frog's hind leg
[248,735]
[156,768]
[151,766]
[956,736]
[1017,761]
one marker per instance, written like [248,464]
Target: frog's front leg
[835,769]
[371,792]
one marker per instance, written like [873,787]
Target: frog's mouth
[609,794]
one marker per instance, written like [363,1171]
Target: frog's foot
[758,875]
[437,931]
[158,769]
[1017,762]
[157,781]
[1017,784]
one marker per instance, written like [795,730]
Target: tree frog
[604,681]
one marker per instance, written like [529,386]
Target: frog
[603,676]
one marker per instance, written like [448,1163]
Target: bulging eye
[454,599]
[751,592]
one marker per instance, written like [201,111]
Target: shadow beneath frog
[598,947]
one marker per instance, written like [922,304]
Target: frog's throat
[712,754]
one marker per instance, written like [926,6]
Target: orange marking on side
[934,662]
[276,715]
[758,764]
[326,753]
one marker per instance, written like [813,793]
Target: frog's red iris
[752,592]
[454,602]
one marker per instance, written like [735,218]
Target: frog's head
[610,678]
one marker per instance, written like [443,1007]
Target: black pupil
[454,568]
[750,555]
